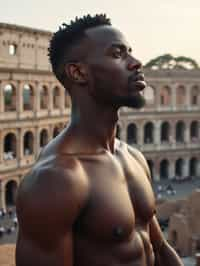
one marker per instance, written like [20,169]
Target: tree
[167,61]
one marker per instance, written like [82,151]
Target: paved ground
[7,223]
[183,188]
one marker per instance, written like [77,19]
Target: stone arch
[165,132]
[149,133]
[165,96]
[43,137]
[179,167]
[149,94]
[164,169]
[67,99]
[10,145]
[118,131]
[180,95]
[56,131]
[9,98]
[195,95]
[56,97]
[10,192]
[194,131]
[44,97]
[151,167]
[12,49]
[28,143]
[193,167]
[28,97]
[174,238]
[132,133]
[180,131]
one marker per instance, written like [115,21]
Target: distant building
[34,108]
[184,227]
[167,130]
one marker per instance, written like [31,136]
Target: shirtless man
[88,200]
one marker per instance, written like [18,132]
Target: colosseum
[34,108]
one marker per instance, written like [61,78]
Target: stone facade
[34,108]
[184,227]
[167,130]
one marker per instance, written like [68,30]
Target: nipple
[118,232]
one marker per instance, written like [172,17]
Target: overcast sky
[153,27]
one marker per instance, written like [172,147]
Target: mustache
[138,76]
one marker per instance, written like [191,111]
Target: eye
[117,52]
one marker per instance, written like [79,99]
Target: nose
[134,64]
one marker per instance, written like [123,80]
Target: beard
[136,101]
[104,96]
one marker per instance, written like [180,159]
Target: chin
[136,102]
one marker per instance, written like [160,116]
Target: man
[88,200]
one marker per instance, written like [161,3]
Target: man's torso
[112,228]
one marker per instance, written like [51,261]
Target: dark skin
[88,200]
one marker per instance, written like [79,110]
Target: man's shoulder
[136,154]
[52,188]
[52,174]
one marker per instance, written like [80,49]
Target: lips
[138,82]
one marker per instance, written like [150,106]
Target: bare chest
[121,197]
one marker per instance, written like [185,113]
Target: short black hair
[67,36]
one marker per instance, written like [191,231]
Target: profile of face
[115,77]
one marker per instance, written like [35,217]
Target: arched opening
[195,92]
[180,132]
[43,138]
[11,190]
[149,94]
[179,167]
[56,97]
[44,97]
[12,49]
[10,146]
[67,99]
[28,97]
[197,246]
[174,238]
[118,132]
[56,131]
[194,131]
[151,168]
[165,98]
[9,98]
[132,134]
[149,133]
[193,167]
[180,95]
[164,169]
[165,132]
[28,143]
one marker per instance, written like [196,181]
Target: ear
[77,72]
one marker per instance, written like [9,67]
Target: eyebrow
[121,46]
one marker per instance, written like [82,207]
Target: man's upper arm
[165,255]
[140,158]
[48,203]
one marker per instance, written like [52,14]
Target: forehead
[106,36]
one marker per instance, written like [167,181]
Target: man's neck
[94,127]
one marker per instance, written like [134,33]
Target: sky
[152,27]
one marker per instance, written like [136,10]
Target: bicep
[165,255]
[44,253]
[156,236]
[46,213]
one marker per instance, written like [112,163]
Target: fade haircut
[67,36]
